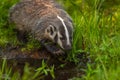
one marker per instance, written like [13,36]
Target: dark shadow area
[17,60]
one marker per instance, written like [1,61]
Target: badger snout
[68,47]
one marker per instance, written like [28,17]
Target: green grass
[96,31]
[101,38]
[7,35]
[6,72]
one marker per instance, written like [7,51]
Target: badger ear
[51,29]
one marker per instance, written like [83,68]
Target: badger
[45,20]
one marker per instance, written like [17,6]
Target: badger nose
[68,47]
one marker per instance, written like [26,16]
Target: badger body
[44,19]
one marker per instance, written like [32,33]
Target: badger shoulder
[29,13]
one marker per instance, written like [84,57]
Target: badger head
[60,31]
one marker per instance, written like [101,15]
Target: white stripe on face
[66,31]
[59,41]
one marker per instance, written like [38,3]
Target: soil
[17,59]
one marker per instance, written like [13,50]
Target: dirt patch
[17,59]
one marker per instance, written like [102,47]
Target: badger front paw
[52,47]
[58,52]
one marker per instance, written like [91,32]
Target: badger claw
[59,52]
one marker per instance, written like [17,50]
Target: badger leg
[52,48]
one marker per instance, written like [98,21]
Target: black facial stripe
[56,38]
[70,32]
[51,31]
[54,28]
[62,32]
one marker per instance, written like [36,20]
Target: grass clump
[9,73]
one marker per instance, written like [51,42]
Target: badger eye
[62,38]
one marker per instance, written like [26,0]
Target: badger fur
[44,19]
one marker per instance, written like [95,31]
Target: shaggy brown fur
[29,13]
[34,16]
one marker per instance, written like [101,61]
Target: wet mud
[17,59]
